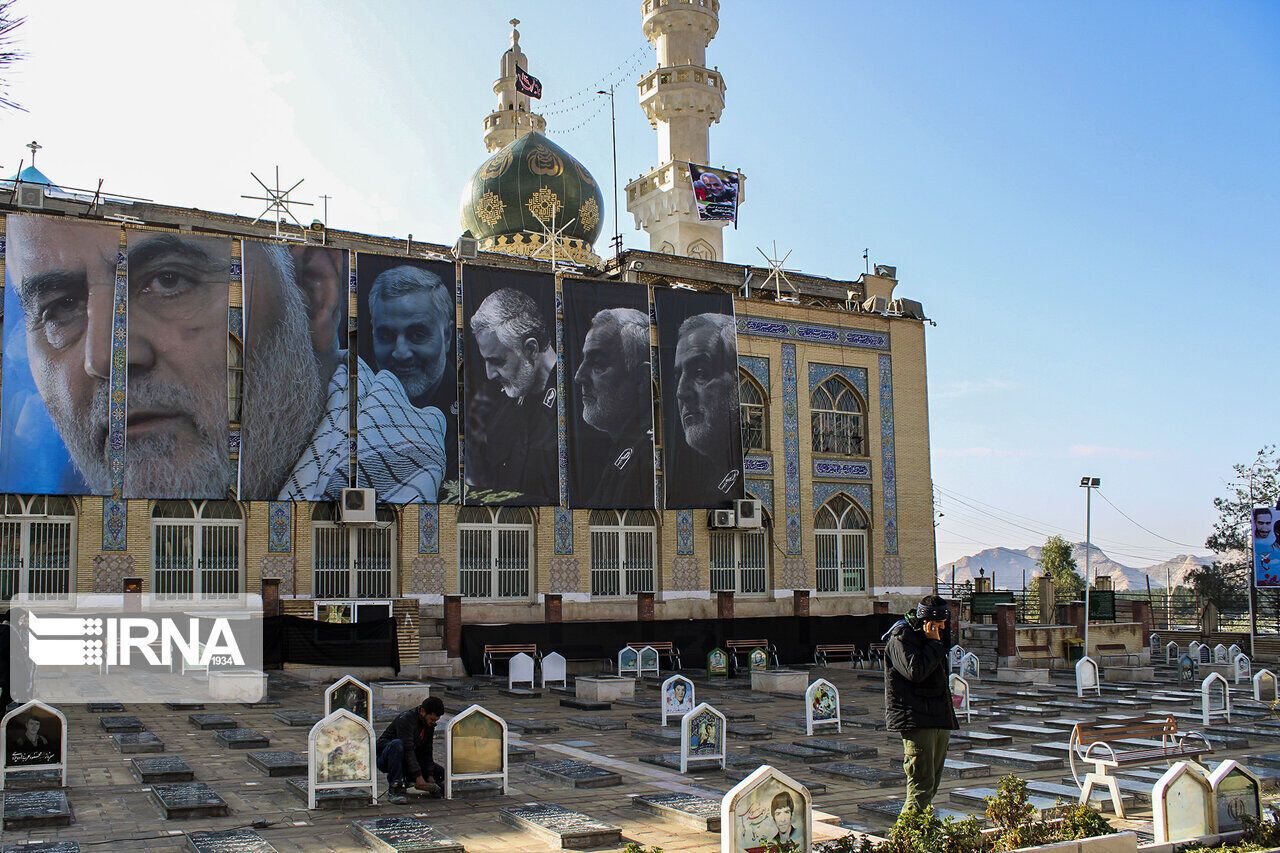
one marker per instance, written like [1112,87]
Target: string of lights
[641,55]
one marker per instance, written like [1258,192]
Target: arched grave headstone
[969,667]
[821,706]
[1171,653]
[1188,669]
[350,693]
[475,749]
[555,670]
[1182,804]
[960,697]
[1087,677]
[648,660]
[768,810]
[1153,643]
[520,670]
[341,754]
[758,660]
[702,734]
[629,661]
[954,657]
[717,663]
[34,738]
[1220,654]
[1215,698]
[1205,654]
[677,697]
[1233,650]
[1193,649]
[1243,667]
[1237,794]
[1264,686]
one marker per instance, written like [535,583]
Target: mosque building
[831,513]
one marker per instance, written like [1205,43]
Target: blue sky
[1083,195]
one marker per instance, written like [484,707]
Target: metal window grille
[354,562]
[495,553]
[36,552]
[838,419]
[622,552]
[840,540]
[740,561]
[198,556]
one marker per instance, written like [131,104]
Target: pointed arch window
[754,408]
[840,539]
[839,418]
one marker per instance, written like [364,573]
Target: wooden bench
[666,650]
[1116,650]
[1036,653]
[875,654]
[744,647]
[824,653]
[507,652]
[1095,743]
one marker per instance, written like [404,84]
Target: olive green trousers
[923,753]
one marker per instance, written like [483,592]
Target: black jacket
[917,695]
[409,729]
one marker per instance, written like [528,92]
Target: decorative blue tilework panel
[758,367]
[860,492]
[857,376]
[888,465]
[791,447]
[233,440]
[352,285]
[114,525]
[758,463]
[280,527]
[816,333]
[428,529]
[235,321]
[761,490]
[564,531]
[684,532]
[842,469]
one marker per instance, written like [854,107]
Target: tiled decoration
[792,574]
[115,515]
[791,447]
[235,315]
[564,531]
[279,527]
[426,575]
[758,367]
[428,529]
[891,575]
[109,572]
[686,574]
[563,575]
[758,463]
[761,490]
[888,465]
[841,469]
[233,442]
[684,532]
[856,376]
[860,492]
[281,567]
[118,381]
[817,333]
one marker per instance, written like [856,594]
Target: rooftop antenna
[326,209]
[866,263]
[776,275]
[278,202]
[34,146]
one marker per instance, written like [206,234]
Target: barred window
[353,561]
[37,546]
[754,408]
[623,546]
[197,549]
[495,551]
[740,560]
[839,419]
[840,537]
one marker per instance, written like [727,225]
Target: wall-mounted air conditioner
[359,506]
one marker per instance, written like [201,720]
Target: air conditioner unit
[31,196]
[909,308]
[466,247]
[886,271]
[876,305]
[359,506]
[749,514]
[721,518]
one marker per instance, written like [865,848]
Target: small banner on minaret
[716,192]
[527,84]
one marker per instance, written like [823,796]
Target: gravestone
[305,719]
[758,659]
[33,738]
[1153,643]
[691,810]
[350,693]
[1243,668]
[561,827]
[577,774]
[27,809]
[1182,804]
[840,747]
[702,736]
[717,663]
[1171,653]
[403,835]
[598,723]
[960,698]
[106,708]
[533,727]
[228,841]
[1188,669]
[164,768]
[1264,686]
[1193,649]
[44,847]
[649,661]
[1215,698]
[1233,650]
[555,670]
[1087,676]
[1205,654]
[211,722]
[821,706]
[863,775]
[133,743]
[768,807]
[242,738]
[969,667]
[954,656]
[279,762]
[520,671]
[341,756]
[677,697]
[121,724]
[182,800]
[1221,654]
[628,661]
[1237,794]
[475,750]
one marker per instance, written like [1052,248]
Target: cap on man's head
[933,608]
[433,705]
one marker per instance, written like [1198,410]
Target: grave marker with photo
[1233,650]
[649,661]
[34,738]
[350,693]
[341,755]
[969,667]
[1237,794]
[1220,654]
[475,749]
[1087,678]
[717,663]
[1188,669]
[677,697]
[1264,686]
[821,706]
[1243,668]
[555,669]
[1215,698]
[1183,804]
[960,697]
[1171,653]
[768,810]
[520,671]
[954,656]
[702,736]
[1153,643]
[1193,649]
[758,660]
[629,661]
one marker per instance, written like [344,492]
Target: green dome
[531,178]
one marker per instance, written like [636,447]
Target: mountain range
[1008,566]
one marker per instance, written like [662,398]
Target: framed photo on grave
[1171,653]
[629,661]
[475,748]
[648,660]
[1153,643]
[1183,805]
[960,697]
[702,736]
[1220,653]
[1188,669]
[34,738]
[758,659]
[768,810]
[555,669]
[1233,650]
[1237,794]
[341,754]
[1264,686]
[1242,667]
[350,693]
[954,656]
[677,697]
[1215,698]
[821,706]
[717,663]
[969,667]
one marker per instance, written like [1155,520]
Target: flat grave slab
[892,807]
[476,788]
[701,813]
[748,698]
[1078,705]
[44,847]
[791,752]
[598,723]
[532,727]
[1056,748]
[839,747]
[164,768]
[585,704]
[671,761]
[813,783]
[279,762]
[300,719]
[669,735]
[561,827]
[1226,741]
[1071,793]
[978,797]
[521,693]
[228,841]
[242,738]
[519,754]
[132,743]
[385,715]
[654,717]
[1063,724]
[32,780]
[1031,710]
[121,724]
[212,722]
[581,743]
[748,733]
[739,716]
[333,798]
[1136,704]
[958,768]
[1013,758]
[1143,775]
[183,800]
[184,706]
[876,777]
[577,774]
[1269,759]
[1015,730]
[982,738]
[403,835]
[873,723]
[106,708]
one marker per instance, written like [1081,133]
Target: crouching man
[404,751]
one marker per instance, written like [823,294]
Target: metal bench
[1095,743]
[1036,653]
[875,654]
[824,653]
[1116,650]
[666,650]
[744,647]
[507,652]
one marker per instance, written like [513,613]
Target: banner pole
[1253,576]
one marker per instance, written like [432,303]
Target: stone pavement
[855,776]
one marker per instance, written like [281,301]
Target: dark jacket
[409,729]
[917,695]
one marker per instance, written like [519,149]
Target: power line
[1140,527]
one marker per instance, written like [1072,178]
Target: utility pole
[613,124]
[1088,484]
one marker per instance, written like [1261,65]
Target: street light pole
[1088,484]
[613,123]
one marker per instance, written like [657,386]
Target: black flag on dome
[527,84]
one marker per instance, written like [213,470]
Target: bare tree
[10,55]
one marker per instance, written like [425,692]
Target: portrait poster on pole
[701,436]
[716,192]
[1266,550]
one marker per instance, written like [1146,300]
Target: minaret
[682,97]
[512,119]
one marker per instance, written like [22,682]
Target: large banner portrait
[701,438]
[54,390]
[716,193]
[294,417]
[1266,548]
[609,386]
[407,335]
[512,446]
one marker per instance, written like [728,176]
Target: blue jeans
[391,762]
